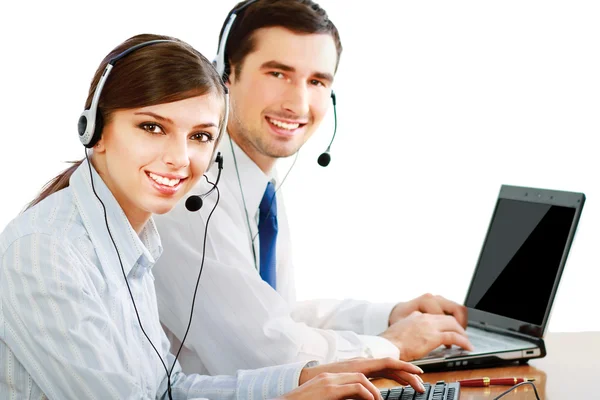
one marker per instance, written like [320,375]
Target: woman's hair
[159,73]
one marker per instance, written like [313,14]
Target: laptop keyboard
[482,341]
[440,391]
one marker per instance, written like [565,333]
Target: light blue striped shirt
[68,329]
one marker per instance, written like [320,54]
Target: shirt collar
[144,248]
[251,178]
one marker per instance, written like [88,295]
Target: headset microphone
[325,157]
[195,202]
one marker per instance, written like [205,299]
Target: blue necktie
[267,235]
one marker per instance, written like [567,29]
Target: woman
[78,315]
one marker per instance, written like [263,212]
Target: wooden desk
[570,370]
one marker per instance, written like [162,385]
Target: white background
[439,103]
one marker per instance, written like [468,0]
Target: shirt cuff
[270,382]
[378,347]
[377,317]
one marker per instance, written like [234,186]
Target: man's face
[282,93]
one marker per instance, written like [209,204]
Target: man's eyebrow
[277,65]
[324,76]
[283,67]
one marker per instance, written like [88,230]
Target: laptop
[515,281]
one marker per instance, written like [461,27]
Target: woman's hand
[337,386]
[349,379]
[390,368]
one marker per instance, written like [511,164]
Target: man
[282,56]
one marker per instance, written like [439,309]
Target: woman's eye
[152,128]
[202,137]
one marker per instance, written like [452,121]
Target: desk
[569,371]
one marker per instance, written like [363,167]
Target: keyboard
[483,342]
[440,391]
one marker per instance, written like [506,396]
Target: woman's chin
[162,207]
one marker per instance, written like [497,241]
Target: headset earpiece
[220,63]
[90,122]
[90,134]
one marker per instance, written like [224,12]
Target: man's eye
[277,74]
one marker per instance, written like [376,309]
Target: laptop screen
[521,259]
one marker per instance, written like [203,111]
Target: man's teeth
[164,181]
[284,125]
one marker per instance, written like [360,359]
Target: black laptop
[513,287]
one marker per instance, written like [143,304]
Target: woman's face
[150,157]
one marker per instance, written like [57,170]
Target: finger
[357,383]
[430,305]
[371,388]
[453,338]
[413,380]
[449,323]
[414,313]
[399,376]
[458,311]
[372,368]
[345,378]
[394,376]
[354,391]
[404,378]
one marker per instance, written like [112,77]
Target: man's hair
[299,16]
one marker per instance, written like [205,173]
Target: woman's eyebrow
[158,117]
[170,121]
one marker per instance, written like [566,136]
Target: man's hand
[429,304]
[402,372]
[418,334]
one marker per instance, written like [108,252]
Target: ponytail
[58,183]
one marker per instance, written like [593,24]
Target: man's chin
[282,150]
[283,153]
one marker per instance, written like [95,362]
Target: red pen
[485,381]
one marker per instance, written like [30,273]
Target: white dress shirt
[68,329]
[239,320]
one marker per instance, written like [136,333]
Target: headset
[195,202]
[91,122]
[90,126]
[222,66]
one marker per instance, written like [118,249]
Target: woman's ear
[99,147]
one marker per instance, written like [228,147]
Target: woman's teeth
[164,181]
